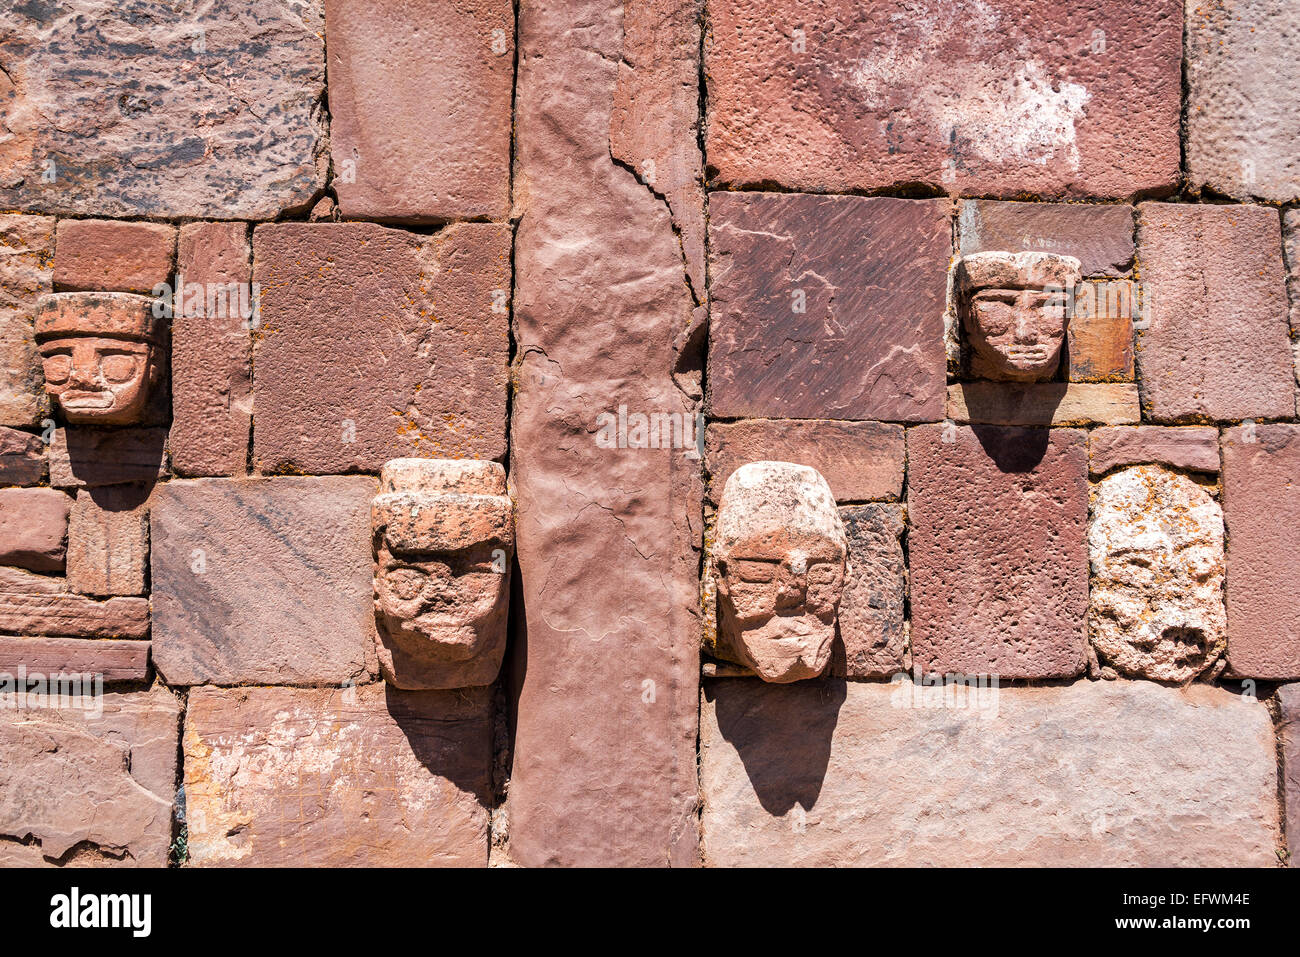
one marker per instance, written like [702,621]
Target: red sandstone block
[377,343]
[88,457]
[428,144]
[1288,699]
[115,660]
[827,307]
[1000,97]
[872,637]
[861,461]
[998,549]
[26,269]
[1217,347]
[33,528]
[73,615]
[1192,447]
[212,350]
[105,254]
[1100,236]
[22,457]
[1261,512]
[108,541]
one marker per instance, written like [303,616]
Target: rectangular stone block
[1261,513]
[1217,346]
[114,660]
[139,111]
[73,615]
[103,254]
[860,461]
[89,457]
[1288,729]
[108,541]
[262,580]
[997,544]
[853,96]
[1100,331]
[34,528]
[377,343]
[827,307]
[22,457]
[212,351]
[1242,119]
[1291,252]
[1189,447]
[1091,774]
[1044,403]
[327,777]
[26,273]
[21,582]
[89,790]
[424,145]
[872,635]
[1100,236]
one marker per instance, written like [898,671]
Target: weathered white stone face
[1156,554]
[780,557]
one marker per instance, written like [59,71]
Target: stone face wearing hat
[1013,312]
[101,352]
[444,539]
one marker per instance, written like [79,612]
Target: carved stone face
[1013,310]
[100,355]
[444,538]
[1156,599]
[780,561]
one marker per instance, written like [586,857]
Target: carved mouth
[87,400]
[1028,353]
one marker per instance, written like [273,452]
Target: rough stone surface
[21,582]
[358,777]
[212,352]
[56,613]
[1217,345]
[1288,699]
[89,791]
[34,528]
[860,461]
[869,275]
[1098,774]
[108,541]
[1195,448]
[429,144]
[1291,239]
[1243,119]
[95,254]
[604,670]
[115,660]
[22,457]
[26,273]
[1044,403]
[1003,97]
[138,109]
[1100,332]
[88,457]
[378,343]
[1099,236]
[1261,506]
[1155,602]
[262,580]
[872,636]
[998,551]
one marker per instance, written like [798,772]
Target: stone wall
[624,249]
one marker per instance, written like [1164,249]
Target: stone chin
[787,649]
[440,637]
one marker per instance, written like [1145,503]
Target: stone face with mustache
[1013,312]
[443,539]
[780,558]
[101,354]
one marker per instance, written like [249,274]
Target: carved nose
[792,591]
[81,376]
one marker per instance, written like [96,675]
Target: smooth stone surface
[1044,403]
[1195,448]
[34,528]
[114,660]
[84,457]
[1100,236]
[103,254]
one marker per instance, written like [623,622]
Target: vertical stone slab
[1243,117]
[1288,700]
[1261,512]
[605,666]
[426,144]
[212,350]
[26,273]
[1217,345]
[998,550]
[872,635]
[108,541]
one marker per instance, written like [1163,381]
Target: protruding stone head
[1156,549]
[444,539]
[101,352]
[779,552]
[1013,310]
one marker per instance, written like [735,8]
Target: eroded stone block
[1100,236]
[22,457]
[107,255]
[108,541]
[26,273]
[1195,448]
[34,528]
[872,632]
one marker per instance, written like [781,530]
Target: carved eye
[405,583]
[117,367]
[822,573]
[58,368]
